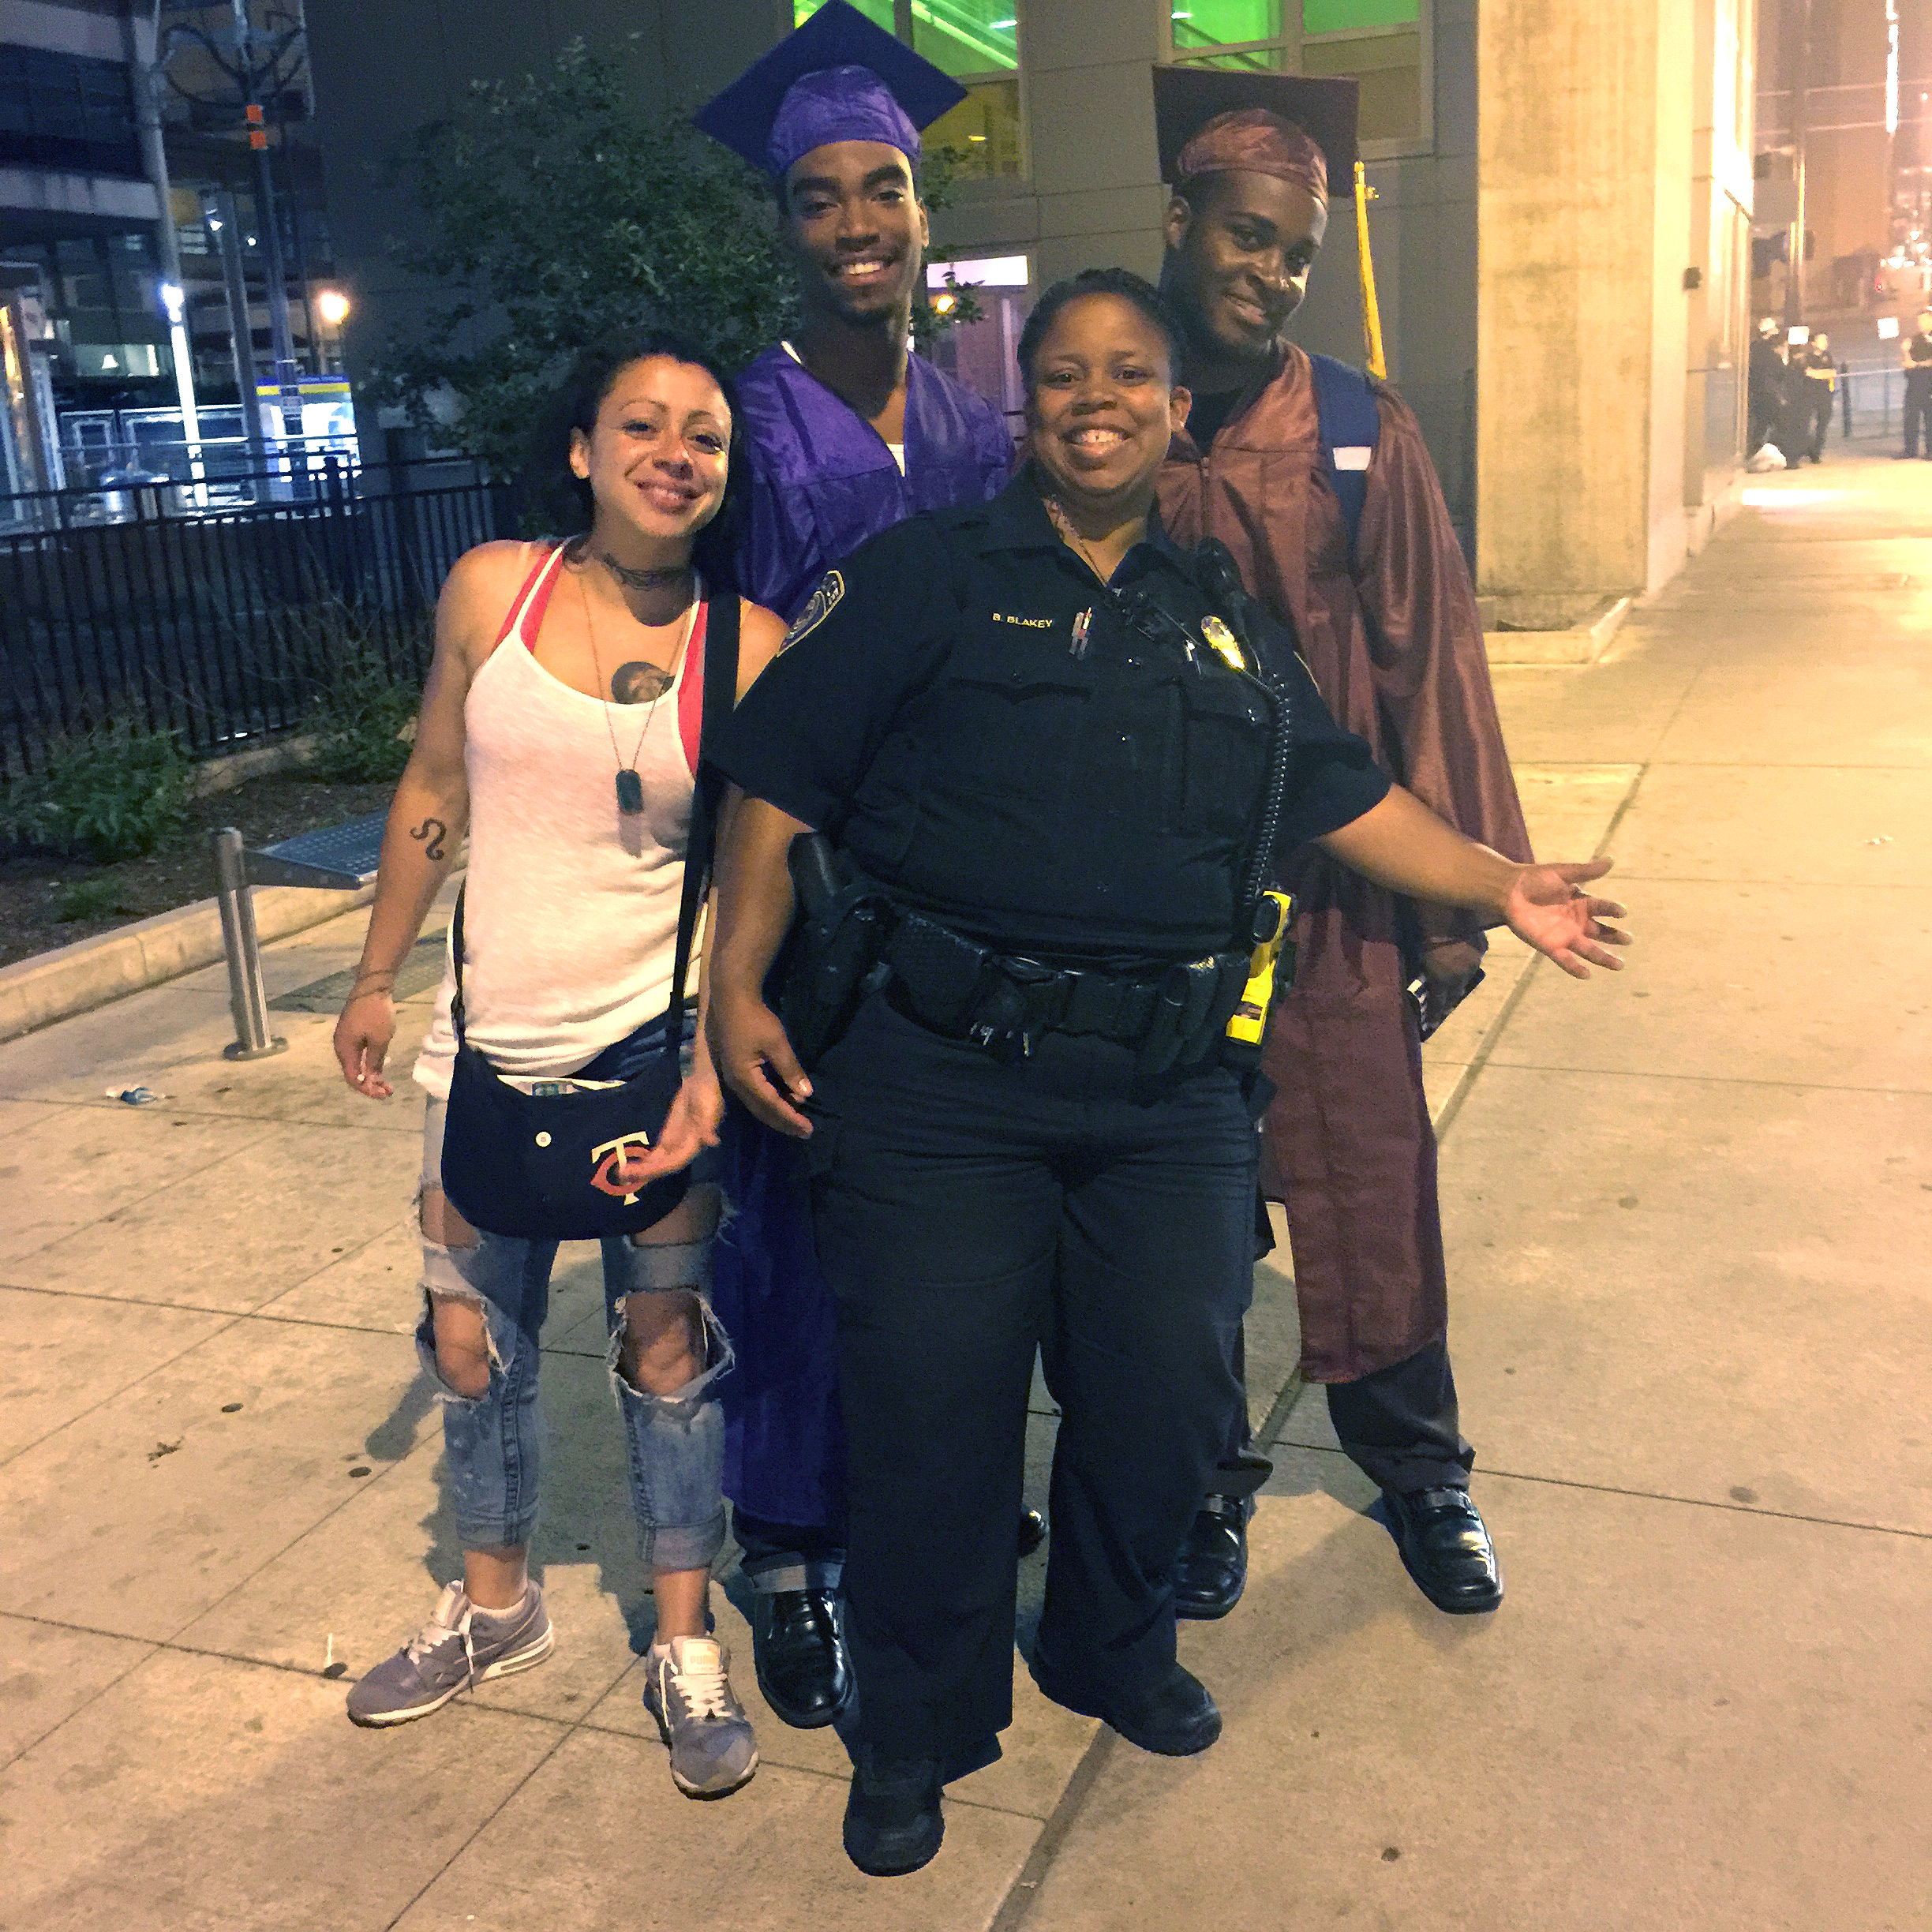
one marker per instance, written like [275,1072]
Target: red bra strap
[533,598]
[547,557]
[690,689]
[538,601]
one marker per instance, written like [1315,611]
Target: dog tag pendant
[630,791]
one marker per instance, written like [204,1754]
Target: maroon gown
[1396,647]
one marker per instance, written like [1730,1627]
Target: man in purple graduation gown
[848,433]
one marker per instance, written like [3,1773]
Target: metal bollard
[247,996]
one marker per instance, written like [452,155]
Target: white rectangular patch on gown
[1355,456]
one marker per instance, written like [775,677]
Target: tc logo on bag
[612,1157]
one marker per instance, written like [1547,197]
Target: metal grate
[422,969]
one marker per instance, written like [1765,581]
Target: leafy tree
[554,212]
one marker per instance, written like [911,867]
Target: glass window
[66,110]
[1389,67]
[1224,23]
[1379,42]
[878,12]
[983,132]
[968,37]
[1321,17]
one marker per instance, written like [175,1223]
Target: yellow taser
[1274,917]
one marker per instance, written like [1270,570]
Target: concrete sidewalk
[1687,1212]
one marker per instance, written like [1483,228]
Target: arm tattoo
[430,835]
[639,681]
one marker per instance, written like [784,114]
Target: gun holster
[834,946]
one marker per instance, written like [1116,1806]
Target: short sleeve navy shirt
[1028,755]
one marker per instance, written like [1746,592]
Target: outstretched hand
[1548,908]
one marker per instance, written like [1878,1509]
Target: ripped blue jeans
[495,1443]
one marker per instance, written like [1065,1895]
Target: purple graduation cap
[837,78]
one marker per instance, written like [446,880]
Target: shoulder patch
[817,609]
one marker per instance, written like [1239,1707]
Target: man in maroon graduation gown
[1391,634]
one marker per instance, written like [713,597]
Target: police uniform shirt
[988,730]
[1918,349]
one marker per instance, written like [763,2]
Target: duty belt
[1005,1002]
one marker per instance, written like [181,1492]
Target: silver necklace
[630,786]
[1063,523]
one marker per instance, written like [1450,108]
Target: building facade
[1560,218]
[123,132]
[1844,98]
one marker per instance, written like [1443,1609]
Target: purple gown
[823,481]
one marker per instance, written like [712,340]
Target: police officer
[1051,749]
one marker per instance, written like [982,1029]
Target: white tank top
[571,906]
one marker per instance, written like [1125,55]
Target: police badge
[831,588]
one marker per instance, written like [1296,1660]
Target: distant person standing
[1814,376]
[1915,353]
[1765,386]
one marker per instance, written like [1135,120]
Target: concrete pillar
[1671,253]
[1090,120]
[1583,231]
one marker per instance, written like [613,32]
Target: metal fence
[104,481]
[1870,402]
[222,622]
[101,448]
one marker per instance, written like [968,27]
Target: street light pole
[174,300]
[146,77]
[218,211]
[265,198]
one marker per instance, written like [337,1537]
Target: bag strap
[1350,428]
[721,694]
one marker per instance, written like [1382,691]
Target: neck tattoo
[656,578]
[1063,523]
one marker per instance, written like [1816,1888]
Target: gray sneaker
[687,1689]
[460,1646]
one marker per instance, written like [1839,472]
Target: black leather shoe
[1446,1548]
[893,1824]
[1211,1570]
[1174,1717]
[1032,1531]
[799,1652]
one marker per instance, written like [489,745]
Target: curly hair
[565,498]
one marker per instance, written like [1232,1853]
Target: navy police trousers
[966,1210]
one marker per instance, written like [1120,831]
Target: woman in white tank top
[559,730]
